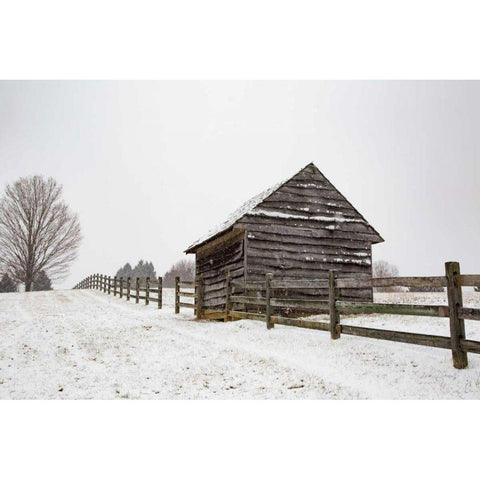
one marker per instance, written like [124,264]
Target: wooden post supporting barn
[228,300]
[200,295]
[332,301]
[268,306]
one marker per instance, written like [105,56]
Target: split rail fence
[241,298]
[137,289]
[260,296]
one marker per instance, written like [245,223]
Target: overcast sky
[151,166]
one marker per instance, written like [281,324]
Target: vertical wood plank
[160,292]
[147,290]
[177,299]
[457,325]
[332,302]
[109,284]
[128,289]
[121,287]
[115,286]
[268,306]
[199,299]
[228,294]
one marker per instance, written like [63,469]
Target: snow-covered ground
[85,344]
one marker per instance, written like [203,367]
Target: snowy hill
[85,344]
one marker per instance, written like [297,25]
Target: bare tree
[185,269]
[37,230]
[383,269]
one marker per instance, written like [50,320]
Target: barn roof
[248,208]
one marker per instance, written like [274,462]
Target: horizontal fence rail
[262,297]
[138,289]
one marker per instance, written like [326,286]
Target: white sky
[151,166]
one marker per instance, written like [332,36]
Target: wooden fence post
[109,283]
[177,296]
[268,306]
[228,294]
[137,289]
[160,291]
[147,290]
[115,286]
[200,294]
[335,327]
[457,325]
[121,287]
[104,283]
[128,289]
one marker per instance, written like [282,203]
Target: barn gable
[306,197]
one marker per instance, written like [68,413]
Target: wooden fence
[137,289]
[261,297]
[197,294]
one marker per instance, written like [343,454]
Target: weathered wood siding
[214,260]
[305,229]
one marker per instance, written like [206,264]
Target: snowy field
[79,344]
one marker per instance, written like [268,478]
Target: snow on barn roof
[243,210]
[250,208]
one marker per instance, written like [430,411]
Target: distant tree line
[185,269]
[142,270]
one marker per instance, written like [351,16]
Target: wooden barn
[299,229]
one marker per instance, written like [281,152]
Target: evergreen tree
[7,284]
[125,272]
[42,282]
[142,270]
